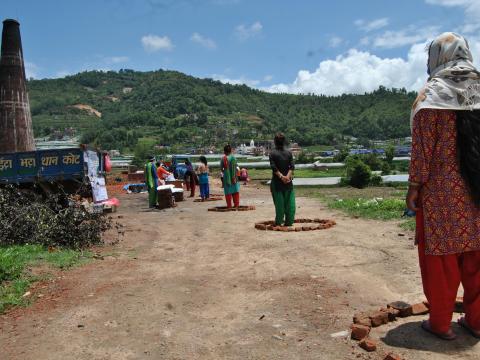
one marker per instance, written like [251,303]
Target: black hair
[279,140]
[227,149]
[468,148]
[157,163]
[187,162]
[203,160]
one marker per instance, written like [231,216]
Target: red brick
[379,318]
[362,319]
[392,313]
[368,345]
[404,308]
[419,309]
[359,332]
[260,226]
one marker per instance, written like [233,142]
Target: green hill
[172,108]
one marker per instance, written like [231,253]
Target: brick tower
[16,133]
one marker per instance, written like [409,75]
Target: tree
[389,154]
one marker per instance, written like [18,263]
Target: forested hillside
[115,109]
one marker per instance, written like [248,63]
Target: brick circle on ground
[209,199]
[316,224]
[225,209]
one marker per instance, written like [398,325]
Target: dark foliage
[173,108]
[26,218]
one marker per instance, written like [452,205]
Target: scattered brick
[368,345]
[260,226]
[419,309]
[379,318]
[404,308]
[392,313]
[359,332]
[362,319]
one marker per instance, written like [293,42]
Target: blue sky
[327,47]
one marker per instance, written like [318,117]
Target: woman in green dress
[281,186]
[231,186]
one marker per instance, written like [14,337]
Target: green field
[378,203]
[15,269]
[266,174]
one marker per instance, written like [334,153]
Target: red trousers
[441,277]
[236,199]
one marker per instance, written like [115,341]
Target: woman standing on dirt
[231,186]
[445,184]
[281,186]
[203,178]
[191,178]
[151,180]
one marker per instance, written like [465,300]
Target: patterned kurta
[451,220]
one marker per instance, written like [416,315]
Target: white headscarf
[454,82]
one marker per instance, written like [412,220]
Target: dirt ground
[186,283]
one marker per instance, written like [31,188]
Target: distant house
[295,149]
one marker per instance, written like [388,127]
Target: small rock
[404,308]
[392,313]
[260,226]
[340,334]
[368,345]
[27,294]
[362,319]
[379,318]
[419,309]
[359,332]
[276,337]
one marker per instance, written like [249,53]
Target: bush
[358,173]
[304,158]
[52,221]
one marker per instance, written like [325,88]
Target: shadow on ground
[411,336]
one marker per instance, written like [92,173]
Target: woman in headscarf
[231,186]
[445,184]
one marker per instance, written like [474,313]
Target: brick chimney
[16,133]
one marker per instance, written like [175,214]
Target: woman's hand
[412,198]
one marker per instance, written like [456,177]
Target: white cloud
[245,32]
[153,43]
[240,81]
[203,41]
[411,35]
[31,70]
[372,25]
[471,9]
[335,41]
[359,72]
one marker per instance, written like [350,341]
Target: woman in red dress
[445,184]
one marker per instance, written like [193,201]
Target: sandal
[463,323]
[450,335]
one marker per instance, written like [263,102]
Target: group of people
[281,162]
[444,184]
